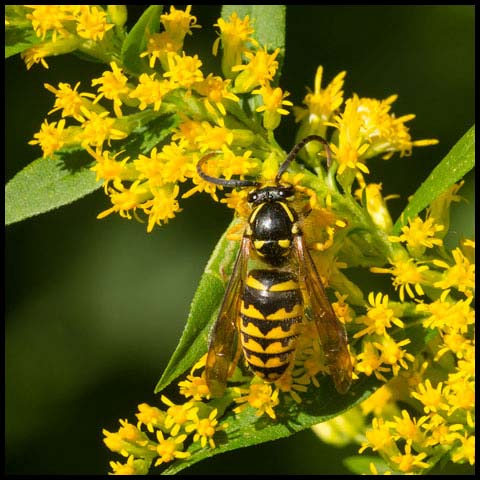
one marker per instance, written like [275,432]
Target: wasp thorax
[272,224]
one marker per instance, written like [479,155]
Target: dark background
[94,308]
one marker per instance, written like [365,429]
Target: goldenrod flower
[170,448]
[461,396]
[408,463]
[273,103]
[114,86]
[439,431]
[133,466]
[126,199]
[466,451]
[234,36]
[433,399]
[51,137]
[92,22]
[127,440]
[212,138]
[184,71]
[109,169]
[177,416]
[407,428]
[150,417]
[292,383]
[50,17]
[163,206]
[69,100]
[379,317]
[455,343]
[159,46]
[393,354]
[379,438]
[260,70]
[237,200]
[261,396]
[419,235]
[179,23]
[195,387]
[342,309]
[321,104]
[460,275]
[215,90]
[170,165]
[446,315]
[150,91]
[405,273]
[370,361]
[367,128]
[204,428]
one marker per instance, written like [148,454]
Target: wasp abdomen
[271,312]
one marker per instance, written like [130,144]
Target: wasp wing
[223,341]
[331,331]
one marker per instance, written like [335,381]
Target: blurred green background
[94,308]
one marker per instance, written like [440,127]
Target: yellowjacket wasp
[263,308]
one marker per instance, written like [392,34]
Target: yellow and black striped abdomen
[271,312]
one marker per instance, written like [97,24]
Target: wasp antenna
[293,153]
[232,183]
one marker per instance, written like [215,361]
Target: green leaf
[136,40]
[268,22]
[46,184]
[19,39]
[459,161]
[205,304]
[149,133]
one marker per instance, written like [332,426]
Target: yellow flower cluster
[171,428]
[438,384]
[147,183]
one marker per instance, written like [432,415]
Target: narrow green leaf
[46,184]
[459,161]
[136,40]
[19,39]
[269,23]
[206,301]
